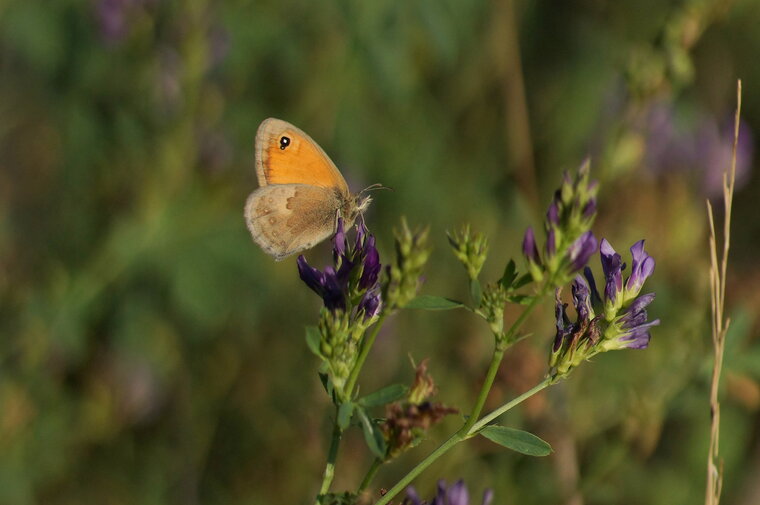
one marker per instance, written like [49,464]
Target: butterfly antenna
[374,187]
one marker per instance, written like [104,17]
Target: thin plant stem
[376,464]
[498,355]
[496,359]
[363,353]
[332,455]
[507,406]
[720,324]
[422,465]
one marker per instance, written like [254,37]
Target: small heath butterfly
[301,195]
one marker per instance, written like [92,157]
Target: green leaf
[517,440]
[324,378]
[313,338]
[372,435]
[509,276]
[345,411]
[430,302]
[386,395]
[522,281]
[475,291]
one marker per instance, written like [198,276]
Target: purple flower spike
[487,497]
[552,215]
[458,494]
[551,243]
[612,265]
[371,265]
[564,326]
[412,498]
[440,496]
[641,268]
[581,250]
[339,241]
[640,303]
[326,284]
[370,304]
[582,298]
[638,338]
[333,290]
[590,209]
[361,232]
[529,246]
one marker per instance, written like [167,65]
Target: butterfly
[301,195]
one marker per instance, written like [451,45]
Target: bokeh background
[150,353]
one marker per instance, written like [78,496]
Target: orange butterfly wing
[286,155]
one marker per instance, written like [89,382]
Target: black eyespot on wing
[284,142]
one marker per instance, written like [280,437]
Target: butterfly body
[301,195]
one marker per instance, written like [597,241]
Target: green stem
[332,454]
[422,465]
[499,411]
[484,390]
[509,336]
[366,346]
[376,464]
[498,355]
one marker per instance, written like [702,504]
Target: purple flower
[326,284]
[634,324]
[339,242]
[552,215]
[354,274]
[623,323]
[702,150]
[551,243]
[641,268]
[582,298]
[114,18]
[581,250]
[529,246]
[371,269]
[612,265]
[564,327]
[457,494]
[370,304]
[590,209]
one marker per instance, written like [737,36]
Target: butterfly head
[354,207]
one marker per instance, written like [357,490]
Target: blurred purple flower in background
[457,494]
[113,18]
[703,150]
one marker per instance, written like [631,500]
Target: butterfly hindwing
[287,218]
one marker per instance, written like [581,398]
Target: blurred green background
[150,353]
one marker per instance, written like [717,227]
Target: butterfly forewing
[286,155]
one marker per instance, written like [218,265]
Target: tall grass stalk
[720,323]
